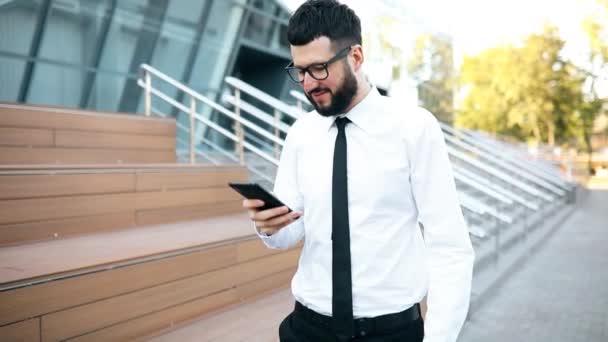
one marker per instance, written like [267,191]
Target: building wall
[88,51]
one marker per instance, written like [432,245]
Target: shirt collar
[362,115]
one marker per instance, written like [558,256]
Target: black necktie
[342,291]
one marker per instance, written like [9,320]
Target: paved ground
[560,293]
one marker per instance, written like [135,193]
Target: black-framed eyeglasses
[318,71]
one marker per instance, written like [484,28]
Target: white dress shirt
[399,175]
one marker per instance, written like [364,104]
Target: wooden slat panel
[25,137]
[189,179]
[25,331]
[87,318]
[164,319]
[23,264]
[85,121]
[179,198]
[262,286]
[24,155]
[253,249]
[108,167]
[61,294]
[38,209]
[85,139]
[28,186]
[44,230]
[176,214]
[168,319]
[235,323]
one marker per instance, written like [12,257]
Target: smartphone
[255,191]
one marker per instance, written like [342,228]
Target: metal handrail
[538,165]
[496,187]
[467,200]
[264,97]
[503,165]
[300,98]
[485,190]
[251,109]
[530,168]
[499,174]
[149,90]
[215,106]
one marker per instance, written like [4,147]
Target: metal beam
[236,47]
[194,50]
[43,15]
[154,15]
[69,65]
[98,50]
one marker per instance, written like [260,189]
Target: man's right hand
[272,220]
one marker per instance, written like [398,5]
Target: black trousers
[296,327]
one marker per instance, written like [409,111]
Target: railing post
[147,96]
[277,120]
[238,128]
[497,242]
[192,129]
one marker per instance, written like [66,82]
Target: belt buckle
[344,338]
[364,326]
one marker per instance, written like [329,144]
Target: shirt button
[362,333]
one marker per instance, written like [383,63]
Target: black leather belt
[364,326]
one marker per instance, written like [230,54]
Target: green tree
[432,66]
[485,79]
[528,91]
[596,28]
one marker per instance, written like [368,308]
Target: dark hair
[317,18]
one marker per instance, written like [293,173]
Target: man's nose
[309,82]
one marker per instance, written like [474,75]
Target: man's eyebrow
[309,65]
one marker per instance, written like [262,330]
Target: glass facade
[87,53]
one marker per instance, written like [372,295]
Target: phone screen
[255,191]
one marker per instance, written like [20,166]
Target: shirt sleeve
[449,251]
[286,190]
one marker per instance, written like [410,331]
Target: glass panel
[118,52]
[106,92]
[259,27]
[177,38]
[122,36]
[216,46]
[77,24]
[56,85]
[17,23]
[11,72]
[185,13]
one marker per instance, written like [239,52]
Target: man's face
[333,95]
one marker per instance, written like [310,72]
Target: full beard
[340,100]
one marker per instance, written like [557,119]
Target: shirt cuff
[263,236]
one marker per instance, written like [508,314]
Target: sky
[479,24]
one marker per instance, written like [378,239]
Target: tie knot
[341,122]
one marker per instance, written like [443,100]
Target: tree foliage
[526,91]
[596,28]
[432,66]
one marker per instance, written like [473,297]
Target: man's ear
[357,57]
